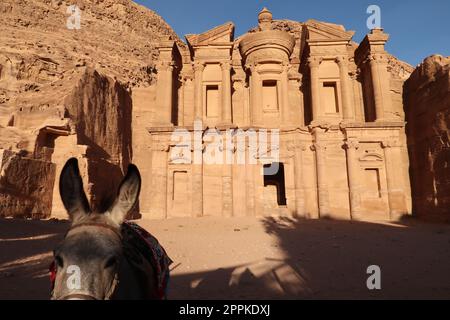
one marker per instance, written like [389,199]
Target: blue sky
[417,28]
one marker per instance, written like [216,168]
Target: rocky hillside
[41,60]
[66,93]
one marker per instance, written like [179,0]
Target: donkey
[90,263]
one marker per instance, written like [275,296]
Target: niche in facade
[212,79]
[212,101]
[372,182]
[270,95]
[329,89]
[180,186]
[330,97]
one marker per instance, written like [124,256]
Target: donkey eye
[110,262]
[59,261]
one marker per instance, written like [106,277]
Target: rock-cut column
[159,154]
[322,186]
[183,81]
[164,94]
[227,190]
[314,63]
[347,106]
[255,99]
[396,195]
[380,82]
[197,176]
[300,204]
[226,92]
[198,93]
[351,147]
[285,111]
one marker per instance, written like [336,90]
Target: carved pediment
[218,35]
[322,31]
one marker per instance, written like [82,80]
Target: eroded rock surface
[427,104]
[68,93]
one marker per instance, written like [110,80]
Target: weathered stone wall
[54,106]
[427,106]
[100,112]
[25,186]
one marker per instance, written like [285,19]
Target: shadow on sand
[321,259]
[25,254]
[328,259]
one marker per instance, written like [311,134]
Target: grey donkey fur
[90,262]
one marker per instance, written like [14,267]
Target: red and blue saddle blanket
[138,244]
[136,238]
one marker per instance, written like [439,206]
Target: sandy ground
[266,258]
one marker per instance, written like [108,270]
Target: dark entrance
[276,180]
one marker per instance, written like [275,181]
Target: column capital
[314,61]
[356,74]
[351,144]
[285,67]
[251,67]
[184,77]
[225,65]
[377,58]
[319,126]
[296,146]
[165,66]
[199,66]
[318,146]
[342,60]
[237,82]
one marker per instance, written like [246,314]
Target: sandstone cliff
[70,89]
[427,106]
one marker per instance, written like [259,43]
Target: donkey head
[88,259]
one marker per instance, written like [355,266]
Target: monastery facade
[337,107]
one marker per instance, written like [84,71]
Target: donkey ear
[71,190]
[127,196]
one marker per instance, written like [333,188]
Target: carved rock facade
[337,105]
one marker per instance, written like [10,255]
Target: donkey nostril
[110,262]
